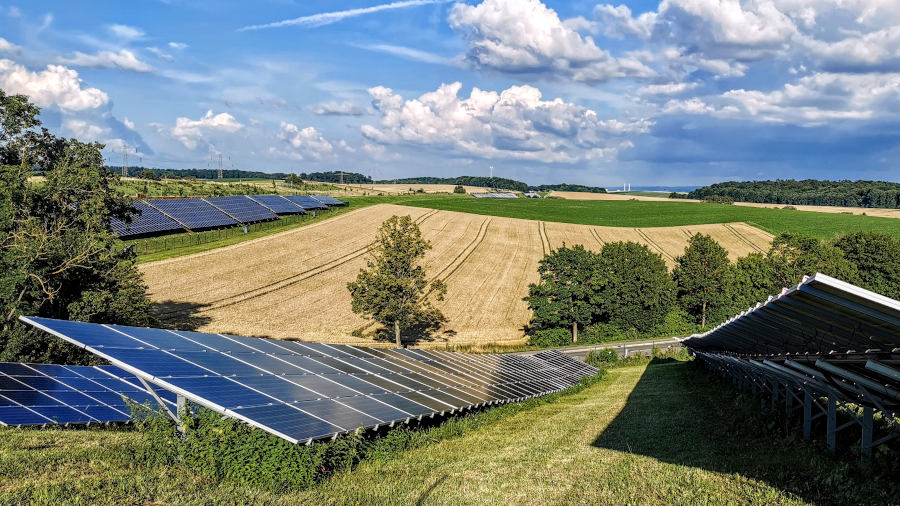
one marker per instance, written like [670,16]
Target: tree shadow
[679,414]
[177,315]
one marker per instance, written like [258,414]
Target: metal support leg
[866,449]
[832,425]
[807,414]
[788,407]
[180,405]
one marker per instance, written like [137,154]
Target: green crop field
[633,213]
[663,433]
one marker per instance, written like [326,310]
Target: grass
[628,213]
[663,433]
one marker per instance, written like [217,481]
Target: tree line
[566,187]
[881,194]
[627,289]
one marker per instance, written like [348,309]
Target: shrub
[551,338]
[676,323]
[459,189]
[602,358]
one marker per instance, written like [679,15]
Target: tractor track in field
[291,280]
[652,243]
[740,236]
[545,241]
[597,236]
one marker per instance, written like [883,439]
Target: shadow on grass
[679,414]
[179,315]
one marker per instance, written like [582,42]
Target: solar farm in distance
[160,216]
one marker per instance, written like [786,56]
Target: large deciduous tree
[58,255]
[877,260]
[564,295]
[703,276]
[794,256]
[392,289]
[634,287]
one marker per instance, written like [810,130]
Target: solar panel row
[193,213]
[278,204]
[242,208]
[305,391]
[496,195]
[42,394]
[306,202]
[329,201]
[146,221]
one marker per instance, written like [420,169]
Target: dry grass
[883,213]
[293,284]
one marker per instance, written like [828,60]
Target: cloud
[83,130]
[8,47]
[327,18]
[124,59]
[160,53]
[666,89]
[57,86]
[177,45]
[125,32]
[192,133]
[408,53]
[515,123]
[302,143]
[345,108]
[527,37]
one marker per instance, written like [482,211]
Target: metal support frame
[162,403]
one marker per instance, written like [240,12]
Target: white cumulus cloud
[345,108]
[192,133]
[303,143]
[124,59]
[54,86]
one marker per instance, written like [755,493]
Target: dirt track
[293,284]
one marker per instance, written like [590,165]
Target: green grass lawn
[663,433]
[628,213]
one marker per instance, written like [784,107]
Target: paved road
[626,348]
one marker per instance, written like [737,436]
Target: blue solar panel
[305,391]
[43,394]
[146,221]
[306,202]
[193,213]
[242,208]
[329,201]
[278,204]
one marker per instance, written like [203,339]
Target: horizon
[676,93]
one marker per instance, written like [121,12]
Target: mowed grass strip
[663,433]
[634,213]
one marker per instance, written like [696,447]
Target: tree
[459,189]
[58,256]
[392,289]
[794,256]
[564,296]
[877,260]
[754,281]
[148,174]
[634,287]
[17,117]
[703,275]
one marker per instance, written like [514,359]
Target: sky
[677,92]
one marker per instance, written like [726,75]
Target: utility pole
[220,165]
[492,172]
[124,160]
[342,176]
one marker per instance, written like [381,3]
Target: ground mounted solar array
[495,195]
[242,208]
[47,394]
[306,391]
[193,213]
[278,204]
[329,201]
[306,202]
[822,339]
[147,220]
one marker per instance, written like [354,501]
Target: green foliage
[459,189]
[565,187]
[185,188]
[703,275]
[807,192]
[148,174]
[602,358]
[718,199]
[754,280]
[334,176]
[550,338]
[793,256]
[564,296]
[17,117]
[634,289]
[392,289]
[485,182]
[877,260]
[58,256]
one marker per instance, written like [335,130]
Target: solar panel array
[329,201]
[305,391]
[497,195]
[193,213]
[278,204]
[242,208]
[44,394]
[306,202]
[147,221]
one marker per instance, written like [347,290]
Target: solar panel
[193,213]
[305,391]
[44,394]
[278,204]
[495,195]
[306,202]
[146,221]
[329,201]
[242,208]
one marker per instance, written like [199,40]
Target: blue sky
[678,92]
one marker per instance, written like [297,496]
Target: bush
[602,358]
[551,338]
[459,189]
[676,323]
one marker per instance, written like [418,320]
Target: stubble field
[293,284]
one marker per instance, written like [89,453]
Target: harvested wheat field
[293,284]
[868,211]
